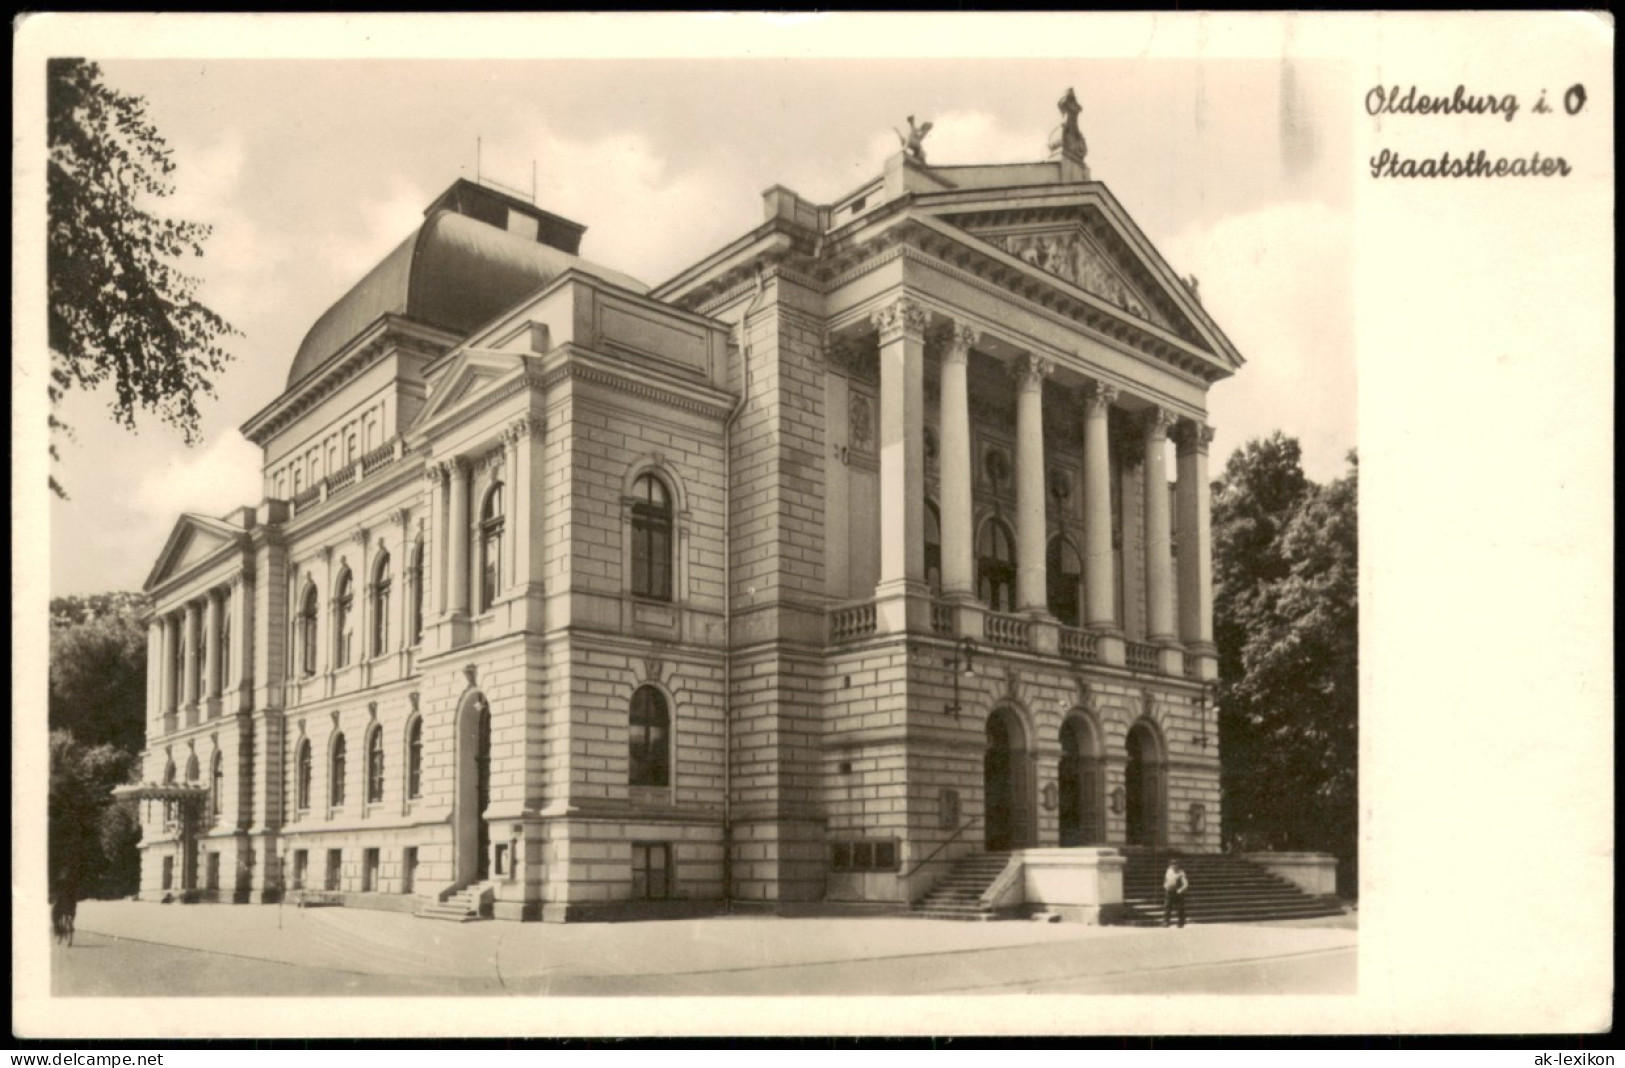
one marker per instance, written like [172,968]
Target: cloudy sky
[310,171]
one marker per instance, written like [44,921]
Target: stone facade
[839,556]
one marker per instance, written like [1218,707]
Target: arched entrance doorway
[1006,784]
[1144,787]
[1082,776]
[472,834]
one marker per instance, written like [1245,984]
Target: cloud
[222,475]
[1277,281]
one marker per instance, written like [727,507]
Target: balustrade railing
[305,498]
[1142,656]
[341,478]
[1008,632]
[942,617]
[850,622]
[1080,645]
[383,454]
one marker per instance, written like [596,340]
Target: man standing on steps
[1174,885]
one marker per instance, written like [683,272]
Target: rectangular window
[169,873]
[409,869]
[651,870]
[864,854]
[211,872]
[301,867]
[335,864]
[369,871]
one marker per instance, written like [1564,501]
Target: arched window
[491,547]
[414,758]
[343,618]
[192,770]
[375,765]
[933,548]
[417,591]
[996,567]
[301,790]
[307,632]
[651,738]
[1062,572]
[169,806]
[651,539]
[217,785]
[381,582]
[336,782]
[169,773]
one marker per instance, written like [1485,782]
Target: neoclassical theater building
[874,540]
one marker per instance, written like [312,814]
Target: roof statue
[1072,142]
[914,143]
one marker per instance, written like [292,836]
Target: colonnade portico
[1179,648]
[198,667]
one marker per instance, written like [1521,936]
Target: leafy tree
[1286,623]
[81,782]
[119,307]
[98,676]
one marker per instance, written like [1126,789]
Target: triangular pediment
[1085,240]
[472,374]
[194,540]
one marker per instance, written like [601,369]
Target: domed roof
[455,272]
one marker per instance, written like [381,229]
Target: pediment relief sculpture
[1072,257]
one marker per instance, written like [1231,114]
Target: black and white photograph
[739,524]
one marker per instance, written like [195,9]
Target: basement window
[864,854]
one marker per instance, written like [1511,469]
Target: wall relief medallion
[861,421]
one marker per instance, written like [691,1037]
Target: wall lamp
[1208,697]
[962,664]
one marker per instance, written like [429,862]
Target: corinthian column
[1158,548]
[958,572]
[1031,595]
[902,443]
[1195,539]
[189,651]
[211,647]
[457,543]
[1099,577]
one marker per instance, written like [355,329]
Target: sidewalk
[720,955]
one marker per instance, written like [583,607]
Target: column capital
[359,536]
[457,467]
[903,317]
[960,340]
[1157,421]
[1030,371]
[1190,436]
[435,473]
[526,426]
[1098,397]
[400,517]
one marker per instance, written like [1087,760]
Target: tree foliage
[97,715]
[1286,620]
[91,850]
[120,309]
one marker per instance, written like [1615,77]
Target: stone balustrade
[1009,632]
[1142,656]
[850,622]
[1080,645]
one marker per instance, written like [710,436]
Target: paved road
[126,948]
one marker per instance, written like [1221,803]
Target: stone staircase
[958,895]
[1224,889]
[463,906]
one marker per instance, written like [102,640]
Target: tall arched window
[414,758]
[417,591]
[651,738]
[301,789]
[381,582]
[491,547]
[336,782]
[1062,573]
[217,785]
[307,632]
[375,765]
[996,567]
[193,772]
[651,539]
[933,548]
[343,618]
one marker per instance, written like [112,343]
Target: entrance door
[471,836]
[1082,821]
[1143,787]
[998,784]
